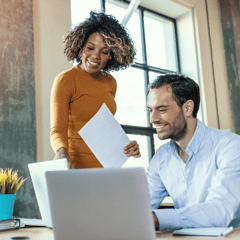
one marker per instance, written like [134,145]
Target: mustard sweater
[75,98]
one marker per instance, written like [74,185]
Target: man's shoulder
[163,151]
[220,134]
[220,140]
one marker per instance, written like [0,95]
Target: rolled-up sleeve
[223,196]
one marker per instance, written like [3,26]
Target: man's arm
[222,200]
[155,220]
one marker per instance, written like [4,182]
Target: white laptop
[37,172]
[100,204]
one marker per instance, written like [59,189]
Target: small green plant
[9,181]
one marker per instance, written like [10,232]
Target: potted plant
[9,185]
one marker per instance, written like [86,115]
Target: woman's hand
[132,150]
[63,153]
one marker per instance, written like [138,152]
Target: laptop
[37,172]
[101,204]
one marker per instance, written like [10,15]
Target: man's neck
[183,142]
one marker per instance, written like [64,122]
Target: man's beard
[179,129]
[180,132]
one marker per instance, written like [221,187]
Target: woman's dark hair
[183,89]
[115,36]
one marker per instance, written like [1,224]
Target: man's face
[165,114]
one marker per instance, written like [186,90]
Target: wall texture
[17,98]
[230,14]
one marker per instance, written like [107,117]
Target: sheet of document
[106,138]
[205,232]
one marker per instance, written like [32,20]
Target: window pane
[143,161]
[133,26]
[116,9]
[131,97]
[160,42]
[153,75]
[80,11]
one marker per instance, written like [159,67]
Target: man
[199,168]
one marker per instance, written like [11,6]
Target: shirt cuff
[168,219]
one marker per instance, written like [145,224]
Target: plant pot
[6,206]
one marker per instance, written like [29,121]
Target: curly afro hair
[115,36]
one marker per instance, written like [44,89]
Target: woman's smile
[95,54]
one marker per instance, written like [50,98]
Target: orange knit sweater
[75,98]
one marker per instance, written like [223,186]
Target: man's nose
[153,117]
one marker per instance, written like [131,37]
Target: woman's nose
[96,55]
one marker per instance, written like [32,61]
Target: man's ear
[188,107]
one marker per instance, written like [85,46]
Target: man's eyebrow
[160,106]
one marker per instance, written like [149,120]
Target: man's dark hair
[183,89]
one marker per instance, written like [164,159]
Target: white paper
[31,222]
[106,138]
[207,232]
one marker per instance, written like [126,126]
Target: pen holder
[6,206]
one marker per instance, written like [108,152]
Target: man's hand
[156,223]
[132,150]
[63,153]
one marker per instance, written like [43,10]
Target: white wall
[52,20]
[205,61]
[202,59]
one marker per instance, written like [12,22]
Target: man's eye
[106,53]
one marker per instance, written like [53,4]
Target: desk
[43,233]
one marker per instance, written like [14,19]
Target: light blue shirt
[206,189]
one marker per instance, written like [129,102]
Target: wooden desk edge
[43,233]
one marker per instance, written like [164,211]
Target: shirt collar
[197,138]
[195,141]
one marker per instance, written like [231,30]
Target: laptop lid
[100,204]
[37,172]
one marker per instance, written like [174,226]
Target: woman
[99,44]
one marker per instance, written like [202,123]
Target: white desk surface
[43,233]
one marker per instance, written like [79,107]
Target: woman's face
[95,54]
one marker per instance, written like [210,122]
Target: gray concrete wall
[17,98]
[230,15]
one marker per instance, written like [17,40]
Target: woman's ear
[188,107]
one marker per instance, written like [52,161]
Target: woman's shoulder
[108,77]
[64,79]
[67,73]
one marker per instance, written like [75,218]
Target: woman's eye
[106,53]
[90,48]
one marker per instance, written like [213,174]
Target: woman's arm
[63,153]
[60,98]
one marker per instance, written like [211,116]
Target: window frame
[138,130]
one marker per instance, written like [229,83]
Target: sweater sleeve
[113,85]
[60,97]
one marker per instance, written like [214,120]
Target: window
[155,40]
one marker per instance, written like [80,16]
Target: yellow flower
[9,181]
